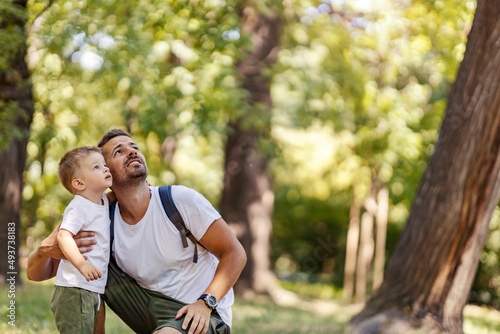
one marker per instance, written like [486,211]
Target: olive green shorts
[146,311]
[164,311]
[74,309]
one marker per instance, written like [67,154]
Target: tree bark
[351,251]
[247,198]
[432,269]
[16,98]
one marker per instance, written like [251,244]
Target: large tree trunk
[16,100]
[432,269]
[247,199]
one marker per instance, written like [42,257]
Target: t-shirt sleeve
[196,211]
[73,219]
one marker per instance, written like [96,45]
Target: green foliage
[486,288]
[158,69]
[358,93]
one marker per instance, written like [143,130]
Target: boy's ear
[78,184]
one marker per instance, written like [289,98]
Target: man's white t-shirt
[151,251]
[82,214]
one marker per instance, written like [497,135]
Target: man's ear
[78,184]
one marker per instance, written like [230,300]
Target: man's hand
[90,272]
[50,248]
[199,313]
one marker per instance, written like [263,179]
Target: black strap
[112,207]
[176,218]
[172,213]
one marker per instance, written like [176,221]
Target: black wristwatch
[210,301]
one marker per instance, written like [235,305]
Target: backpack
[172,213]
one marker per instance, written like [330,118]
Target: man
[138,216]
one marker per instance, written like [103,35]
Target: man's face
[125,160]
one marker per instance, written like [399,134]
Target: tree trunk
[432,269]
[365,257]
[381,234]
[16,100]
[351,251]
[247,198]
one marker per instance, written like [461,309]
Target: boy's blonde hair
[70,163]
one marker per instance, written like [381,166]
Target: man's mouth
[134,162]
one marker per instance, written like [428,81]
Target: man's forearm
[228,271]
[44,261]
[41,267]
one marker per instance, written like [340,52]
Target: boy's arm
[44,261]
[70,250]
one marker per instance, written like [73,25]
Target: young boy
[79,282]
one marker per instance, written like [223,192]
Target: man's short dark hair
[112,134]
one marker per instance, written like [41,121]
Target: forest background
[333,107]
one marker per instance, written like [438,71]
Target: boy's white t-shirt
[83,214]
[151,251]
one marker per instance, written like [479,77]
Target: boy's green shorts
[74,309]
[145,311]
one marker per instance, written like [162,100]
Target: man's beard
[136,176]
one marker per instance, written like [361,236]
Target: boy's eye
[96,167]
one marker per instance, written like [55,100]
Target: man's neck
[133,201]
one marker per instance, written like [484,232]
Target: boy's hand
[89,272]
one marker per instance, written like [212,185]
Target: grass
[259,315]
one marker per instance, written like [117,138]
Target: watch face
[211,301]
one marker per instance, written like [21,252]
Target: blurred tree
[376,73]
[432,269]
[247,197]
[16,113]
[162,70]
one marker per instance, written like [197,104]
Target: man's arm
[44,261]
[221,242]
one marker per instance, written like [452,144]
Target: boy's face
[94,173]
[125,160]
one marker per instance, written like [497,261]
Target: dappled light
[309,125]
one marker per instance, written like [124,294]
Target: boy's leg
[74,310]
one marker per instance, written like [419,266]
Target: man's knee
[167,330]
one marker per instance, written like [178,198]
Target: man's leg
[167,330]
[99,327]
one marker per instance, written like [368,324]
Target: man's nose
[132,153]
